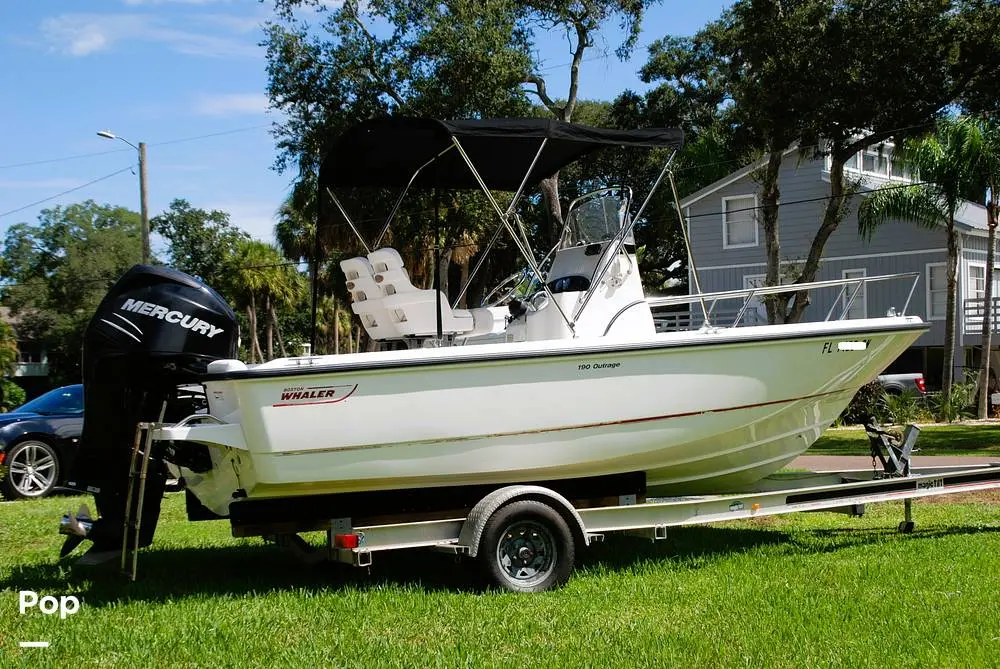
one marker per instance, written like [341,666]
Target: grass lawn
[955,439]
[794,591]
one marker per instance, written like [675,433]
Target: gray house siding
[896,248]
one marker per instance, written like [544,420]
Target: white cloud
[84,34]
[257,218]
[231,104]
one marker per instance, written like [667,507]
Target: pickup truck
[897,384]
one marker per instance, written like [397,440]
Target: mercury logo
[171,316]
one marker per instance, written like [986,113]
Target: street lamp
[143,209]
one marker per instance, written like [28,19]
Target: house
[728,249]
[32,372]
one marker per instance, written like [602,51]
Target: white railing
[747,313]
[973,310]
[32,369]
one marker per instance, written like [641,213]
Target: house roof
[731,178]
[971,217]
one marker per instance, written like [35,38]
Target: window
[977,282]
[739,221]
[859,307]
[937,291]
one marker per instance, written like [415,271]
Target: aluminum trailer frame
[841,491]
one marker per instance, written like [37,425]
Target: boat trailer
[526,536]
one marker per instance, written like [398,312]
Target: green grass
[794,591]
[955,439]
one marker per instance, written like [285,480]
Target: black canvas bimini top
[385,152]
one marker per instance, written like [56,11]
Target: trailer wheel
[527,547]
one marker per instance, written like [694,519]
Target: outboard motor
[155,329]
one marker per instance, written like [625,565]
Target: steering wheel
[507,288]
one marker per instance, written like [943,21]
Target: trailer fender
[475,522]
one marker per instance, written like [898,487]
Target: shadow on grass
[177,573]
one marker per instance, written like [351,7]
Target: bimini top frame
[491,154]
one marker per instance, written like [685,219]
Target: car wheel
[32,470]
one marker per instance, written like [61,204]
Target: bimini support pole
[517,240]
[687,245]
[399,200]
[496,235]
[437,261]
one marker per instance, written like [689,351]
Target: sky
[188,78]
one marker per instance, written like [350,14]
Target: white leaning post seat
[366,299]
[412,309]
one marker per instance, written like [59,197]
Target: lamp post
[143,209]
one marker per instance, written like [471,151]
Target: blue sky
[187,78]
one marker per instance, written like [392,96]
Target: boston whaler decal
[294,395]
[171,316]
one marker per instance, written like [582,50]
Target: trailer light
[3,456]
[345,540]
[755,508]
[921,385]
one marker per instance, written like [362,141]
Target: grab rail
[749,294]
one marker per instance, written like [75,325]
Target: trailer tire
[527,547]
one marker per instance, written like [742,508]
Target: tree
[988,171]
[446,60]
[200,242]
[58,270]
[264,282]
[947,162]
[800,71]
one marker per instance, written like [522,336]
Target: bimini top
[386,152]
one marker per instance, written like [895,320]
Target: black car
[38,441]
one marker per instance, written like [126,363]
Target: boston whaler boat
[566,385]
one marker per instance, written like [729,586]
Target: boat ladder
[138,468]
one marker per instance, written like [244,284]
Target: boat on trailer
[560,380]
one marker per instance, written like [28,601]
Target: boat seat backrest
[366,299]
[385,259]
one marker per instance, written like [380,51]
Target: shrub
[11,395]
[960,403]
[870,400]
[907,407]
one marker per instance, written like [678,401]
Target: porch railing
[973,310]
[748,301]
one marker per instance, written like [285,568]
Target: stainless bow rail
[854,287]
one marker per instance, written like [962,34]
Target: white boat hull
[697,412]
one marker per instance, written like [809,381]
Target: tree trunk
[832,216]
[770,192]
[277,331]
[947,373]
[269,327]
[550,194]
[984,364]
[464,267]
[336,326]
[443,272]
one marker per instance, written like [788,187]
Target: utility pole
[143,208]
[147,254]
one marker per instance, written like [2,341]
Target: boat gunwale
[613,347]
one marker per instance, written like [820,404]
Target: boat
[561,377]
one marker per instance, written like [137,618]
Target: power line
[63,159]
[66,192]
[47,161]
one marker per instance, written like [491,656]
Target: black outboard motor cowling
[155,329]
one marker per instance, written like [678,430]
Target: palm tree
[988,151]
[946,164]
